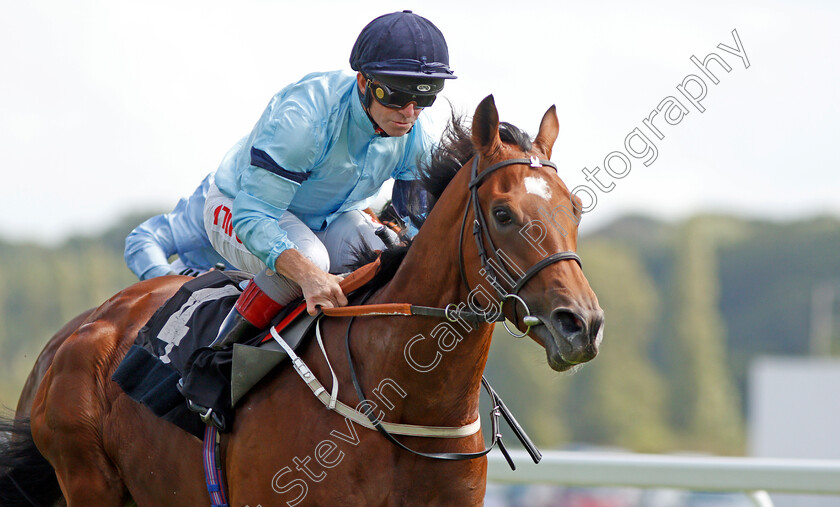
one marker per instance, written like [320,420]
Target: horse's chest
[375,483]
[438,483]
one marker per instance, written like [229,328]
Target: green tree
[619,398]
[41,288]
[704,403]
[535,393]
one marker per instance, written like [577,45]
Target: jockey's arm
[148,247]
[181,231]
[262,197]
[408,196]
[319,287]
[409,201]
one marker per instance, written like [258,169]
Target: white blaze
[537,186]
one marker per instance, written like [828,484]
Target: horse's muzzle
[575,336]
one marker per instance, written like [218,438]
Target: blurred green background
[687,304]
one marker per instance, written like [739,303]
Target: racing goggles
[422,94]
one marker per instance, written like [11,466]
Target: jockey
[287,200]
[181,231]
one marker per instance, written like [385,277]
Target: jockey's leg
[268,292]
[253,310]
[345,236]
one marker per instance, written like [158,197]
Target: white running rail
[753,476]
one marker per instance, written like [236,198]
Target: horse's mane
[453,151]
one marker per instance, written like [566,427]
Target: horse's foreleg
[84,487]
[86,476]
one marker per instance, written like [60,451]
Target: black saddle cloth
[174,344]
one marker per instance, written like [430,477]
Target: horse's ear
[485,126]
[549,127]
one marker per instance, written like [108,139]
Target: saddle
[171,353]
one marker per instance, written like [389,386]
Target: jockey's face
[395,122]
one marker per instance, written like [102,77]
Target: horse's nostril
[568,323]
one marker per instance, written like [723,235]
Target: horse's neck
[438,363]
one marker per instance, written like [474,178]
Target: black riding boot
[252,312]
[234,329]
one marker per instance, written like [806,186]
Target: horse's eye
[502,215]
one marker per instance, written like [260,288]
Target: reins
[491,267]
[451,312]
[491,270]
[451,456]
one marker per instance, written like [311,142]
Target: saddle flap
[250,365]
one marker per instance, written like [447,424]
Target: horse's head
[528,224]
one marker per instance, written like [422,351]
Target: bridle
[492,268]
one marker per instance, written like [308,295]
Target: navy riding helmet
[403,57]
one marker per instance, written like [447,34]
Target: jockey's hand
[320,289]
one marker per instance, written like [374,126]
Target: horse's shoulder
[141,298]
[84,361]
[114,325]
[97,345]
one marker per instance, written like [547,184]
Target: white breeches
[331,249]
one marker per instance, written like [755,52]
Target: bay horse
[43,362]
[284,447]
